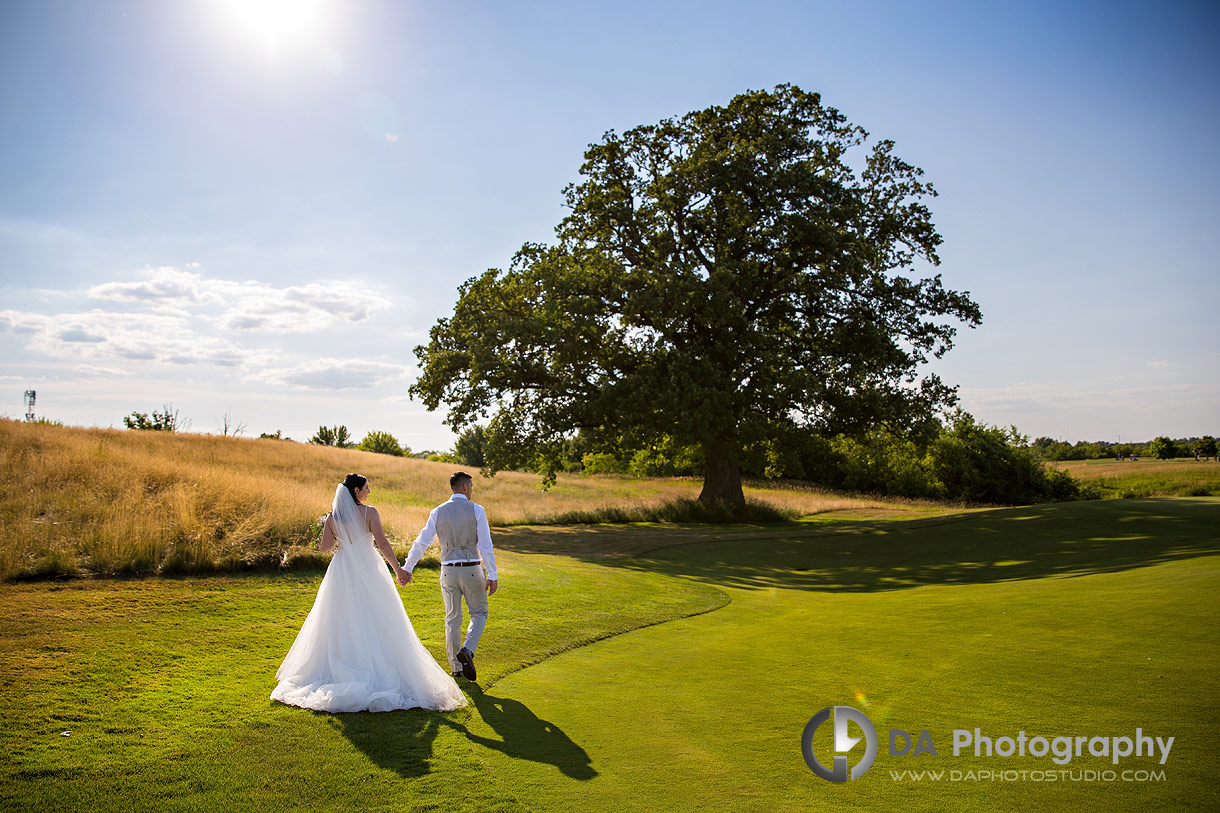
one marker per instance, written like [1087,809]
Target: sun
[278,25]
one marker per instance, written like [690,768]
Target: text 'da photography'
[1138,757]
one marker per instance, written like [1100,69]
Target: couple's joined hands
[403,577]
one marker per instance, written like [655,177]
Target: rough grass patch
[681,510]
[103,502]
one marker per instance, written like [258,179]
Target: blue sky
[262,212]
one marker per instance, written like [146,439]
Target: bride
[357,650]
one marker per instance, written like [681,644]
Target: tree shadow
[1057,540]
[524,735]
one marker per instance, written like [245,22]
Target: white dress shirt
[428,535]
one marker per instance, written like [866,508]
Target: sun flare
[278,24]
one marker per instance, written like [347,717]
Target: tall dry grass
[103,502]
[1147,477]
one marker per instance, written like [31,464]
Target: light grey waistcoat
[457,531]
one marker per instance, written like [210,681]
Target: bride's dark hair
[353,483]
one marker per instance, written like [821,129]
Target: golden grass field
[78,502]
[1147,477]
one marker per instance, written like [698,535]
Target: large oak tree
[724,279]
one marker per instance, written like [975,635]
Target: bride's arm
[328,536]
[383,544]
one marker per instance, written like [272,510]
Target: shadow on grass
[402,741]
[1063,539]
[525,735]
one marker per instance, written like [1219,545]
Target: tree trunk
[722,476]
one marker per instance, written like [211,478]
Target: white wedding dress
[357,650]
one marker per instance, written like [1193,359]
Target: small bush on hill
[382,443]
[332,436]
[167,420]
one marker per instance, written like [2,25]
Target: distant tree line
[1161,448]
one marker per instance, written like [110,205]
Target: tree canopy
[332,436]
[723,279]
[468,448]
[1163,448]
[382,443]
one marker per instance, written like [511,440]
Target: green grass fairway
[162,687]
[1088,618]
[1072,619]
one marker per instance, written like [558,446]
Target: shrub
[332,436]
[167,420]
[1062,487]
[603,463]
[882,463]
[665,458]
[986,464]
[382,443]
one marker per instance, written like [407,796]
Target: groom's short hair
[455,481]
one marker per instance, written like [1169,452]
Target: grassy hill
[108,502]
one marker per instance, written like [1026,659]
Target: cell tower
[29,405]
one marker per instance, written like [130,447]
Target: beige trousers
[458,583]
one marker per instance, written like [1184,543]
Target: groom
[468,569]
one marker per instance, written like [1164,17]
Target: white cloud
[335,374]
[76,334]
[101,336]
[103,372]
[248,305]
[299,309]
[17,322]
[165,287]
[173,333]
